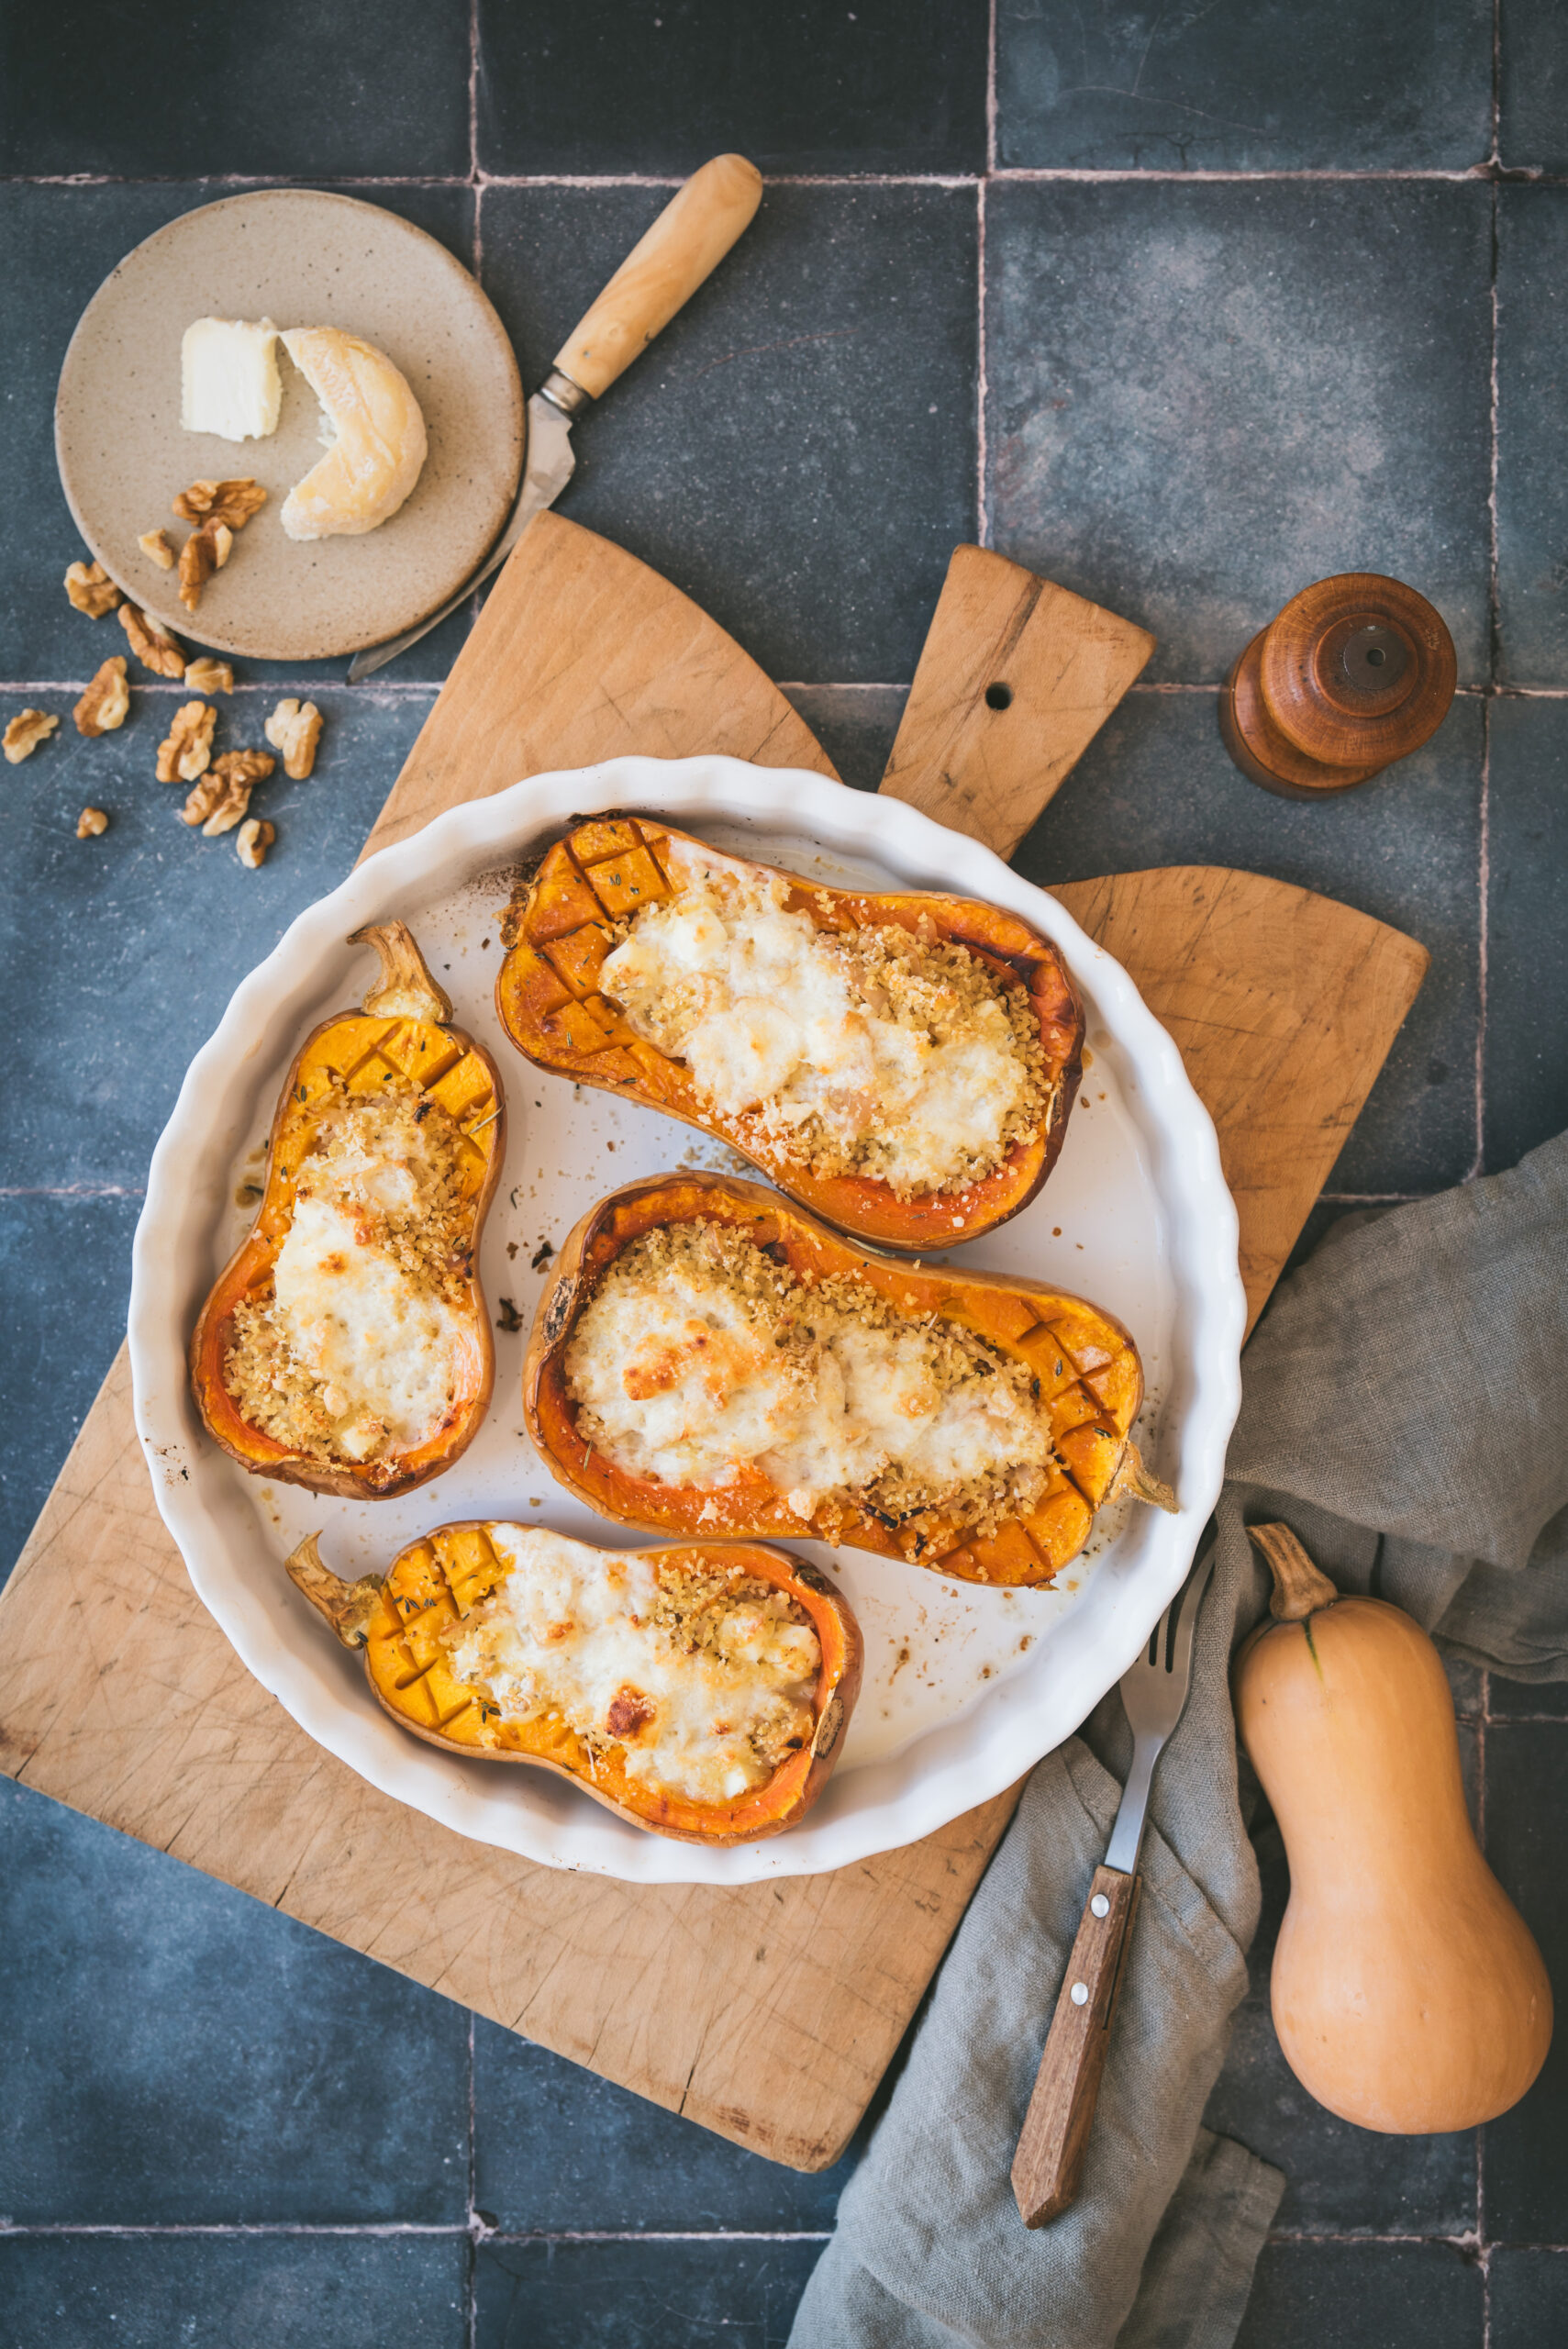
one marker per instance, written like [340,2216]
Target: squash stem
[1300,1589]
[348,1606]
[405,989]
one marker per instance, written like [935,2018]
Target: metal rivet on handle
[1100,1904]
[1080,1994]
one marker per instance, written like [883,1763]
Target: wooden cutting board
[769,2013]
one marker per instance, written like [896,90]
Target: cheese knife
[683,247]
[1056,2128]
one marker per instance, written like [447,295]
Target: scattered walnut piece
[208,676]
[255,838]
[229,502]
[155,546]
[152,644]
[91,589]
[106,702]
[294,729]
[90,823]
[26,731]
[205,551]
[186,752]
[223,795]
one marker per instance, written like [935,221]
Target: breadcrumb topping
[700,1357]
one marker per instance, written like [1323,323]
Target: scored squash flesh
[404,1624]
[1080,1368]
[565,920]
[399,1048]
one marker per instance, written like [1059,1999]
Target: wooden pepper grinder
[1356,672]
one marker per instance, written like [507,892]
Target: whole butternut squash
[1408,1993]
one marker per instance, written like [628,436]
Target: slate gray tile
[122,952]
[1339,2180]
[1525,2156]
[257,86]
[1532,87]
[889,85]
[1292,85]
[251,2291]
[855,724]
[1523,1700]
[640,2296]
[1526,957]
[1157,787]
[182,2057]
[1527,2297]
[557,2149]
[1204,397]
[1363,2296]
[797,448]
[59,244]
[64,1287]
[1532,500]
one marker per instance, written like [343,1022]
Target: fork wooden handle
[1061,2109]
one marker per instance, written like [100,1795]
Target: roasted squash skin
[1087,1366]
[404,1029]
[438,1579]
[558,930]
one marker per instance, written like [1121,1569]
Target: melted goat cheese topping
[574,1631]
[685,1384]
[769,1020]
[386,1348]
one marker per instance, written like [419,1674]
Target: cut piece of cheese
[373,431]
[386,1348]
[230,384]
[704,1695]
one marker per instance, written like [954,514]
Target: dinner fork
[1056,2126]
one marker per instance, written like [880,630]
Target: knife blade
[663,270]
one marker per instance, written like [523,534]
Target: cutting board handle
[683,247]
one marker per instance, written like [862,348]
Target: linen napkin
[1405,1410]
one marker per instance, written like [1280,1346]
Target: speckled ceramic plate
[301,259]
[965,1687]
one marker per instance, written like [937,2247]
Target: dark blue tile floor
[1183,308]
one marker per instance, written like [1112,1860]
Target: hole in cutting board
[999,696]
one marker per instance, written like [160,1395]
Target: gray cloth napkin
[1405,1410]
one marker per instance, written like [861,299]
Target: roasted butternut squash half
[710,1360]
[903,1065]
[700,1692]
[346,1346]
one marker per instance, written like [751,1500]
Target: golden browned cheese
[405,1623]
[564,922]
[403,1038]
[1081,1365]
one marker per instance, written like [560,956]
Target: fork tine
[1185,1609]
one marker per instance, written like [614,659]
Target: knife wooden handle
[1067,2085]
[685,245]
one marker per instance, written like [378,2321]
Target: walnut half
[294,729]
[26,731]
[152,644]
[186,751]
[90,823]
[91,589]
[208,676]
[223,795]
[255,838]
[106,702]
[205,551]
[229,502]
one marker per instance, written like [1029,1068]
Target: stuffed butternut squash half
[903,1065]
[347,1347]
[699,1692]
[709,1360]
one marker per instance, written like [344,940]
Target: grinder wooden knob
[1356,672]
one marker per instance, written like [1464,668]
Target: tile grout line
[1479,174]
[389,2230]
[982,447]
[991,90]
[471,2273]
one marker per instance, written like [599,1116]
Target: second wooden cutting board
[768,2014]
